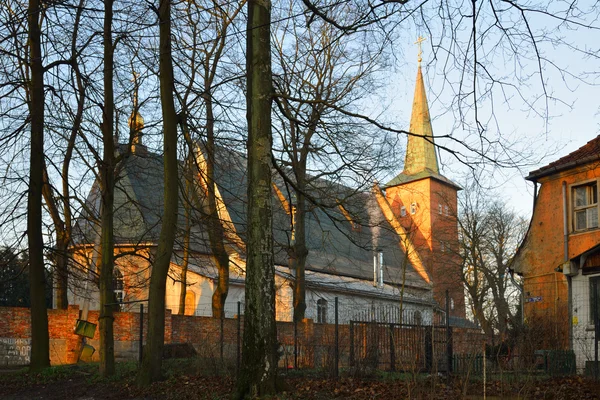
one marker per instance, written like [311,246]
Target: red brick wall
[315,341]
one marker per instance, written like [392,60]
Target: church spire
[420,150]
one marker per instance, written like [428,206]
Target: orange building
[425,204]
[559,257]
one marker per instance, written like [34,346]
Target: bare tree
[318,73]
[204,35]
[259,357]
[489,234]
[40,345]
[150,370]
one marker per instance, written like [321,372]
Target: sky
[573,112]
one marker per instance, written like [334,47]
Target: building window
[585,206]
[440,209]
[451,303]
[594,305]
[418,318]
[413,208]
[447,211]
[403,211]
[118,287]
[322,311]
[442,246]
[190,302]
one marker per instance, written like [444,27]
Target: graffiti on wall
[15,351]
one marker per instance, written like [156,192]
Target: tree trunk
[107,184]
[186,240]
[150,370]
[40,346]
[59,253]
[259,356]
[215,227]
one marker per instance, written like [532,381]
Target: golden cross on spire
[135,89]
[420,40]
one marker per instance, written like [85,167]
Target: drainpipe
[566,258]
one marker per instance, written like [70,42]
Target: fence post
[141,348]
[351,343]
[429,348]
[337,341]
[295,344]
[221,335]
[392,349]
[448,335]
[239,332]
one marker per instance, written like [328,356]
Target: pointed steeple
[420,150]
[421,160]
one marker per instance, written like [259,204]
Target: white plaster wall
[349,305]
[583,328]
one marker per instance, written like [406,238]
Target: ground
[185,379]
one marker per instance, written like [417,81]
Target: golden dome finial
[136,122]
[420,40]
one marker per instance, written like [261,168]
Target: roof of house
[588,153]
[336,246]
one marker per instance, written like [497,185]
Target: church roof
[336,246]
[402,178]
[421,158]
[588,153]
[420,150]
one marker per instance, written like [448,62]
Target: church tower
[425,203]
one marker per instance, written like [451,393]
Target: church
[389,254]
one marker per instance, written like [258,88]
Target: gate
[399,347]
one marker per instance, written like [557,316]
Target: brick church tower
[425,203]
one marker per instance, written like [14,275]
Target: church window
[190,302]
[451,303]
[413,208]
[403,211]
[585,206]
[442,246]
[118,286]
[447,210]
[322,311]
[440,209]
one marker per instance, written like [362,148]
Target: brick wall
[210,337]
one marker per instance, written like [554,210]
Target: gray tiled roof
[334,245]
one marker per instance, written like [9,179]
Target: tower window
[322,311]
[447,210]
[440,209]
[413,208]
[442,246]
[403,211]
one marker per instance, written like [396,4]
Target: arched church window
[322,311]
[118,285]
[190,302]
[413,208]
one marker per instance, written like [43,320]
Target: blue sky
[542,130]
